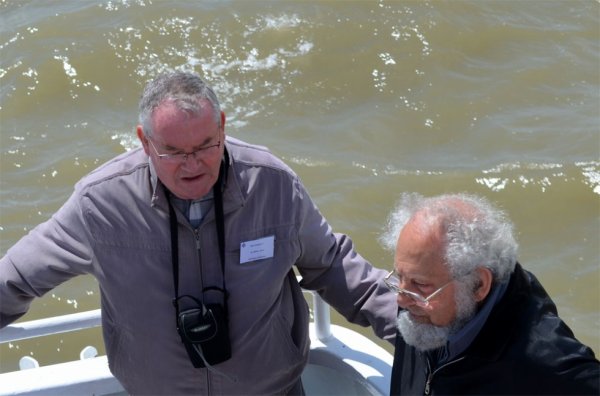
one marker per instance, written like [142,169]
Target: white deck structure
[342,361]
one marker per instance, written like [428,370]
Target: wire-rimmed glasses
[393,283]
[182,157]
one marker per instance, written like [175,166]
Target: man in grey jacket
[192,238]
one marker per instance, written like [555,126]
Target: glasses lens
[419,300]
[174,158]
[393,283]
[198,154]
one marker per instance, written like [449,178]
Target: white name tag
[257,249]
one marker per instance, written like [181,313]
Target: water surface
[364,99]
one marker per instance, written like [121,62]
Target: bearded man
[471,319]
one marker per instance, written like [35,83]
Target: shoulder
[536,317]
[124,171]
[547,345]
[257,174]
[255,156]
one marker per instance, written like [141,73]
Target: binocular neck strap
[220,223]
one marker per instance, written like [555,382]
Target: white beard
[424,337]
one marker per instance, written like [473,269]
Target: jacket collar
[460,341]
[232,192]
[503,321]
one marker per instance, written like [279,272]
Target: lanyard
[220,224]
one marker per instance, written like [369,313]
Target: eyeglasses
[182,157]
[393,283]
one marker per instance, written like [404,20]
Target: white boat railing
[48,326]
[332,346]
[89,319]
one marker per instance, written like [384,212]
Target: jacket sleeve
[330,265]
[50,254]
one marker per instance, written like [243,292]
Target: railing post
[322,318]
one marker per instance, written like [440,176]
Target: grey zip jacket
[115,226]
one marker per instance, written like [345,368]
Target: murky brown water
[364,99]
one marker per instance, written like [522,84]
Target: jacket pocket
[284,331]
[114,342]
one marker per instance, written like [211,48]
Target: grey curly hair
[186,90]
[475,232]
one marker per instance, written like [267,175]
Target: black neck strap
[220,224]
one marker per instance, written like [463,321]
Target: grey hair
[475,232]
[186,90]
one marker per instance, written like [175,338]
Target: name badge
[257,249]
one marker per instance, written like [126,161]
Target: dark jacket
[523,348]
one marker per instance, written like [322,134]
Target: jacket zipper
[197,237]
[208,390]
[430,374]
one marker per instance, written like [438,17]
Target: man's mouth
[191,178]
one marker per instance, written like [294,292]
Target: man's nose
[192,161]
[404,300]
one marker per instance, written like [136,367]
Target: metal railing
[89,319]
[48,326]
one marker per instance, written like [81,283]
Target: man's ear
[486,279]
[140,135]
[222,120]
